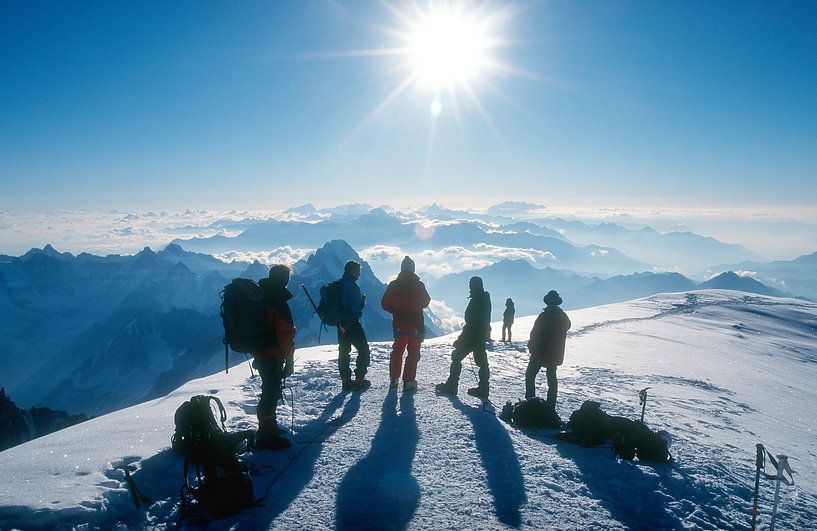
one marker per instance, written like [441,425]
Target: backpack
[591,426]
[244,315]
[329,305]
[224,485]
[633,439]
[534,413]
[195,422]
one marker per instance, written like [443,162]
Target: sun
[447,48]
[450,50]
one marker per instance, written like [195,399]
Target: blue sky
[224,105]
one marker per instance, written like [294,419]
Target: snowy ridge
[726,370]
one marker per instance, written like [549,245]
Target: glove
[289,366]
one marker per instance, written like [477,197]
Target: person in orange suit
[405,298]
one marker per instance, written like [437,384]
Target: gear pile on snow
[590,426]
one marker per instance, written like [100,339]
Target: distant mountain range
[526,285]
[378,227]
[798,276]
[130,328]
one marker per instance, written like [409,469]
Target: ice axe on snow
[642,399]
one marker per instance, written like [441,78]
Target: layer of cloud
[454,259]
[281,255]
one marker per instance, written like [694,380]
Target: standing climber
[547,347]
[350,331]
[474,334]
[507,318]
[405,298]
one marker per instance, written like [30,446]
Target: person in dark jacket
[276,362]
[474,334]
[350,331]
[507,318]
[547,347]
[405,298]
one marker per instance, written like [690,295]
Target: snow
[726,370]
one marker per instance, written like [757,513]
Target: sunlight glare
[447,48]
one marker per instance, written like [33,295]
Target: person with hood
[547,347]
[404,298]
[350,331]
[507,318]
[276,362]
[474,334]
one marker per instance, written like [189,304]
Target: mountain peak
[173,248]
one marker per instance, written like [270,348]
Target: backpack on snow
[329,305]
[224,485]
[532,413]
[244,315]
[591,426]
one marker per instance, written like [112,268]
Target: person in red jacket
[277,361]
[405,298]
[547,347]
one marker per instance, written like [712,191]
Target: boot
[346,384]
[393,382]
[361,384]
[409,386]
[479,392]
[446,388]
[268,437]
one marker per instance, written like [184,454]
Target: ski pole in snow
[642,399]
[759,465]
[782,465]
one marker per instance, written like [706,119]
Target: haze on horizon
[617,104]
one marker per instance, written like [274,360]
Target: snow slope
[726,370]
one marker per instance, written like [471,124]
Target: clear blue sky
[244,105]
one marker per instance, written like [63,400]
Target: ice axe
[642,399]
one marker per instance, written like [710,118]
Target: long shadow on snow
[500,462]
[379,492]
[280,488]
[638,499]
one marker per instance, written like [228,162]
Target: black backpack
[534,413]
[244,314]
[224,485]
[196,422]
[329,305]
[591,426]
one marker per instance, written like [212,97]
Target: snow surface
[726,370]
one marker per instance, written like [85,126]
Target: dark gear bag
[590,425]
[195,421]
[633,439]
[223,484]
[329,305]
[223,490]
[244,315]
[534,413]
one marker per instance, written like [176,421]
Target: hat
[552,298]
[407,265]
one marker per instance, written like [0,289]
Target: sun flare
[446,49]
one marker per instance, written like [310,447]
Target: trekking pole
[642,399]
[759,465]
[782,465]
